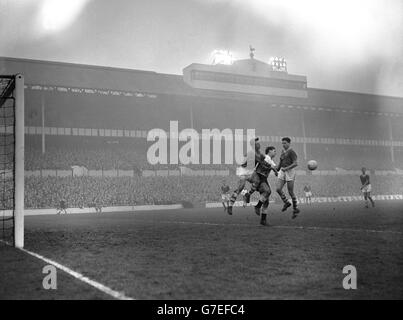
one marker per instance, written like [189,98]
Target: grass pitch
[207,254]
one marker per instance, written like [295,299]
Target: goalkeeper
[261,184]
[245,171]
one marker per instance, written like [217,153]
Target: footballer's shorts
[367,188]
[245,175]
[288,175]
[244,172]
[225,197]
[308,194]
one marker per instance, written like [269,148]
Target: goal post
[12,130]
[19,162]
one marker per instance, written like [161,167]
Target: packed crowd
[62,158]
[86,191]
[101,158]
[348,185]
[125,157]
[116,191]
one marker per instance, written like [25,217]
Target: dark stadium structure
[98,118]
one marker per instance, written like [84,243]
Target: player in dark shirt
[366,187]
[96,204]
[62,206]
[286,175]
[262,173]
[225,195]
[252,158]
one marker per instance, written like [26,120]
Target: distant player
[366,187]
[97,205]
[308,194]
[286,175]
[62,206]
[225,196]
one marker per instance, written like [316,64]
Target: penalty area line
[285,227]
[99,286]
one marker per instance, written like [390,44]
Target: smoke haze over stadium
[340,45]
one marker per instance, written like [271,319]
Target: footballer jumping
[286,175]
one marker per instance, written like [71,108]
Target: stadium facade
[91,107]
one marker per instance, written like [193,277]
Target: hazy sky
[352,45]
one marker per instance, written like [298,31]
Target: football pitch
[207,254]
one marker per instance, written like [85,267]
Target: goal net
[12,159]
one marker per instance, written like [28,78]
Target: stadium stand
[98,118]
[46,192]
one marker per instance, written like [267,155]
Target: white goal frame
[19,132]
[14,90]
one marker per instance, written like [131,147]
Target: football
[312,165]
